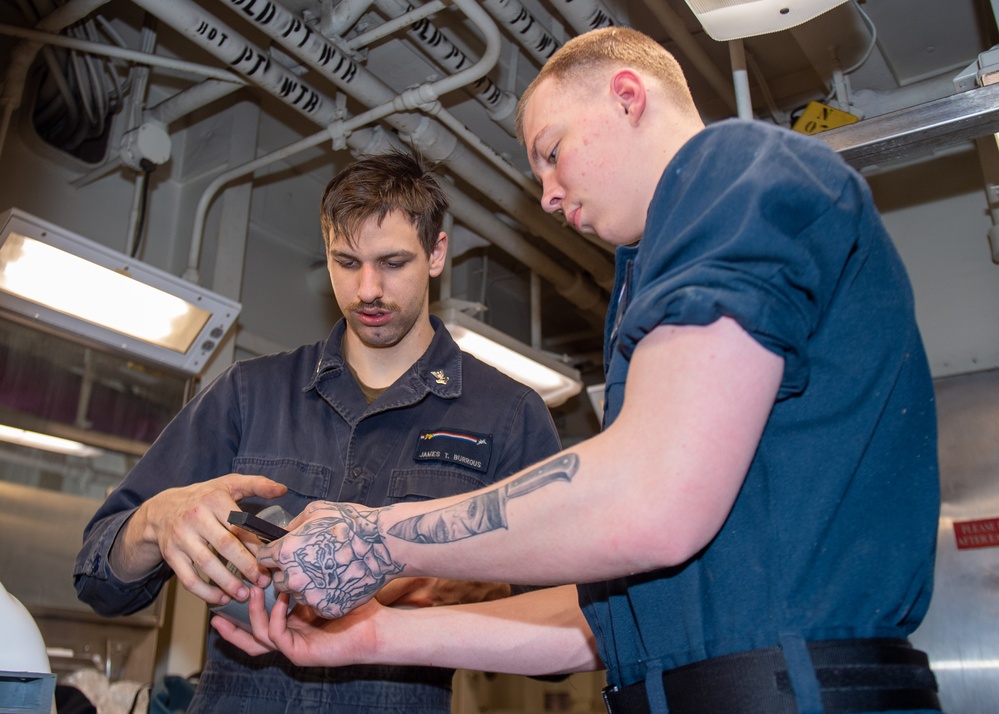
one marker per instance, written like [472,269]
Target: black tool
[264,530]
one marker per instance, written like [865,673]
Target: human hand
[431,592]
[332,560]
[187,528]
[302,636]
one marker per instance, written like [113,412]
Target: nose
[552,196]
[369,286]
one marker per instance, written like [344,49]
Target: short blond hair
[610,47]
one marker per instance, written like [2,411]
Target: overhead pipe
[524,28]
[191,99]
[430,138]
[585,15]
[500,105]
[253,63]
[337,20]
[136,56]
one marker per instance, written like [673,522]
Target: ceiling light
[732,19]
[55,279]
[553,380]
[34,440]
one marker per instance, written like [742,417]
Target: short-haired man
[770,431]
[387,409]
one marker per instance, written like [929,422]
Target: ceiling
[881,56]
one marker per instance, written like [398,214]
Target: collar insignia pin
[440,376]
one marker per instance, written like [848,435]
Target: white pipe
[469,137]
[253,63]
[740,79]
[499,104]
[98,48]
[524,28]
[208,195]
[585,15]
[186,101]
[411,17]
[335,21]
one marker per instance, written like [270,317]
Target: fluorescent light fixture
[33,439]
[554,381]
[732,19]
[62,281]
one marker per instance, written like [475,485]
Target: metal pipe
[740,79]
[253,63]
[499,104]
[412,17]
[585,15]
[335,21]
[98,48]
[184,102]
[524,28]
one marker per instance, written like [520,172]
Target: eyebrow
[342,254]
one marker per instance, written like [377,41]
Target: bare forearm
[541,632]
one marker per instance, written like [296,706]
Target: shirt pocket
[303,478]
[427,484]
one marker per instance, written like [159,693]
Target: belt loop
[655,691]
[801,673]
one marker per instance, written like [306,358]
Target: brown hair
[377,185]
[605,48]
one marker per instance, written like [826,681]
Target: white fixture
[55,444]
[733,19]
[62,282]
[549,377]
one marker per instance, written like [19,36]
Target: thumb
[241,486]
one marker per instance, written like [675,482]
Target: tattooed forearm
[484,512]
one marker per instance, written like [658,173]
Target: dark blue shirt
[833,532]
[450,424]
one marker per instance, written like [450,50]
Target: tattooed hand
[333,562]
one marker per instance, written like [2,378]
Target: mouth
[373,317]
[573,218]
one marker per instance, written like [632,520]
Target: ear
[438,255]
[628,90]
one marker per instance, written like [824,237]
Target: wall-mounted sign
[977,534]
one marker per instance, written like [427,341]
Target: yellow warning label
[819,117]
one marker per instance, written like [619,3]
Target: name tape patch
[455,447]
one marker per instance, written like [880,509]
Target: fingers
[190,526]
[241,486]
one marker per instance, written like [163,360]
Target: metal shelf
[923,128]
